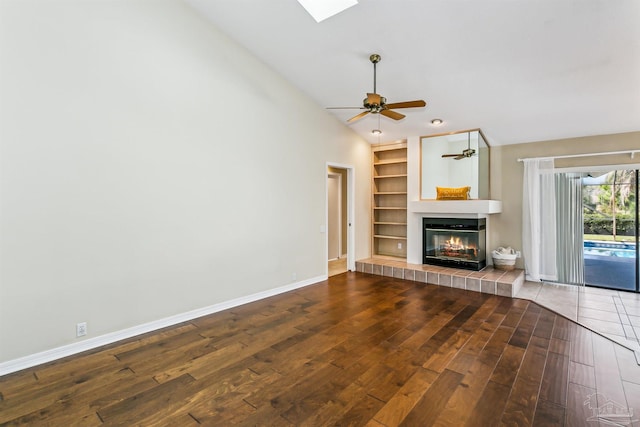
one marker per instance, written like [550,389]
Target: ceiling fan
[374,103]
[468,152]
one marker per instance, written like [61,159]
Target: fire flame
[457,244]
[456,247]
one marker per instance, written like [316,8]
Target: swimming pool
[610,249]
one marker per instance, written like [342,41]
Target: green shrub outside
[597,224]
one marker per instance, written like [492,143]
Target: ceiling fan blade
[458,156]
[373,98]
[407,104]
[359,116]
[392,114]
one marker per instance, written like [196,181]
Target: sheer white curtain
[539,220]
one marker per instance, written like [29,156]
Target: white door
[334,196]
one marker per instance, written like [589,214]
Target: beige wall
[507,172]
[151,167]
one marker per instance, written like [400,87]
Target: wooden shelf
[389,204]
[390,193]
[382,236]
[390,176]
[390,162]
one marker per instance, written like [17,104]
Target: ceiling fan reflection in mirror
[376,104]
[466,153]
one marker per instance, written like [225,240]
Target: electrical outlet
[81,329]
[518,254]
[294,276]
[399,245]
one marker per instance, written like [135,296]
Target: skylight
[323,9]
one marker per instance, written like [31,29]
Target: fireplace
[454,242]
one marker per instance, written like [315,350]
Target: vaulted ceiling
[521,70]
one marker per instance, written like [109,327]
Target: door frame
[351,225]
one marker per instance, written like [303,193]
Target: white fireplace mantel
[486,207]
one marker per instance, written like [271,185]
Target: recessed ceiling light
[323,9]
[376,132]
[436,122]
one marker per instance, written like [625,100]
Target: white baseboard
[91,343]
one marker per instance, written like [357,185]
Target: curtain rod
[607,153]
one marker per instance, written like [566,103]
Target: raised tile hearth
[488,280]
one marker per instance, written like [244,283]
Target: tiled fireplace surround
[488,280]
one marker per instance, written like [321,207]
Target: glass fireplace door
[455,245]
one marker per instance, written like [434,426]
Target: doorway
[610,218]
[334,216]
[339,229]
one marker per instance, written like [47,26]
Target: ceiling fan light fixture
[437,122]
[374,103]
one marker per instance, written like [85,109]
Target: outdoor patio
[610,272]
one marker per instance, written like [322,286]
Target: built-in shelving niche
[389,225]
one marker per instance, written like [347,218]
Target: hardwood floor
[337,266]
[354,350]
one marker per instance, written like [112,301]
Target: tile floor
[614,314]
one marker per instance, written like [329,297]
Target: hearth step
[488,280]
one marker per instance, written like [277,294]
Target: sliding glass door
[610,217]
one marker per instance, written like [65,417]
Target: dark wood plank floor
[354,350]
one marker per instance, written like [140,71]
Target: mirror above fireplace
[454,160]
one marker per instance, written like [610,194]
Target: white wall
[414,222]
[149,167]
